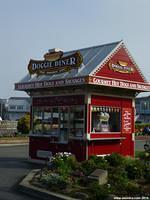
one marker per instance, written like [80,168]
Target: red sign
[121,67]
[126,120]
[119,83]
[50,83]
[102,81]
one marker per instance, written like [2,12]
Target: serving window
[62,121]
[105,119]
[37,120]
[76,121]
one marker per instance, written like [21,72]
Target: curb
[40,193]
[13,144]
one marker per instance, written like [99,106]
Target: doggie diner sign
[58,65]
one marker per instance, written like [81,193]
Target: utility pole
[1,107]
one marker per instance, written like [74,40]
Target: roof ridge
[96,46]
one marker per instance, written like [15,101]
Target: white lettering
[38,85]
[72,61]
[102,82]
[115,83]
[72,81]
[61,82]
[124,84]
[34,66]
[48,83]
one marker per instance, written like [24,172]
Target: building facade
[17,107]
[143,109]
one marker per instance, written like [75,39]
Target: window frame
[69,136]
[105,132]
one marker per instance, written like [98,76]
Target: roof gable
[92,57]
[105,65]
[120,65]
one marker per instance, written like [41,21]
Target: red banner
[127,120]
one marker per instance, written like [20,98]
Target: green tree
[23,125]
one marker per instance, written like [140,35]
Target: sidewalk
[142,137]
[14,141]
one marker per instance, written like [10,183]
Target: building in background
[143,109]
[17,107]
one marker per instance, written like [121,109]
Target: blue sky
[28,28]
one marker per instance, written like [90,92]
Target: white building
[17,107]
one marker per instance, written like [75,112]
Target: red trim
[127,146]
[105,135]
[105,101]
[31,117]
[59,100]
[76,147]
[121,55]
[133,120]
[50,83]
[118,83]
[103,147]
[89,119]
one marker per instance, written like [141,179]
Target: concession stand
[83,101]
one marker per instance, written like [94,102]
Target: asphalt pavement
[140,142]
[13,167]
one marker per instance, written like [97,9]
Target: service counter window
[47,120]
[63,122]
[37,120]
[55,121]
[76,121]
[105,119]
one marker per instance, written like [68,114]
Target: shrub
[140,126]
[117,178]
[115,159]
[133,189]
[23,125]
[54,180]
[100,162]
[88,166]
[64,163]
[147,175]
[145,156]
[99,192]
[125,174]
[134,168]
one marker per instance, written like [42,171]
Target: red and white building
[83,101]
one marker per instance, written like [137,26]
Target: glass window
[64,124]
[12,107]
[144,105]
[37,120]
[105,119]
[55,121]
[76,121]
[63,121]
[20,107]
[47,120]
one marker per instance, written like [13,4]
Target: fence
[8,128]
